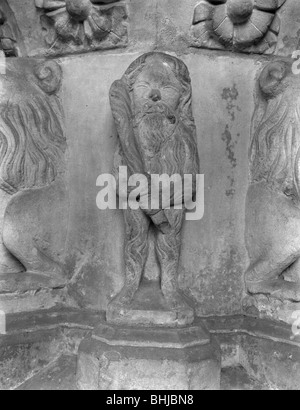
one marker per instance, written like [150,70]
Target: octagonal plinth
[131,358]
[150,308]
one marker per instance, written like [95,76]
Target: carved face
[155,87]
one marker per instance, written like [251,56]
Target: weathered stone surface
[151,24]
[119,358]
[59,375]
[273,364]
[237,378]
[49,319]
[141,337]
[268,351]
[212,263]
[11,41]
[33,341]
[238,25]
[85,245]
[23,355]
[82,25]
[272,206]
[151,106]
[213,256]
[32,185]
[263,306]
[48,28]
[253,326]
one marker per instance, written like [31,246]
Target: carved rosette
[239,25]
[83,25]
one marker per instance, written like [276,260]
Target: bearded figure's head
[151,100]
[275,146]
[32,141]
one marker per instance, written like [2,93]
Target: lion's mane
[32,142]
[275,145]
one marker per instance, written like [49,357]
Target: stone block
[129,358]
[269,351]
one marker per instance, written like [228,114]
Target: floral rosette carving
[238,25]
[82,25]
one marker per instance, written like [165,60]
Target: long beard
[154,127]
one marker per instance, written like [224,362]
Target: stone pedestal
[150,308]
[136,358]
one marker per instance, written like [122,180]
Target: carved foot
[9,264]
[148,307]
[42,265]
[175,300]
[277,288]
[125,297]
[48,270]
[10,269]
[25,281]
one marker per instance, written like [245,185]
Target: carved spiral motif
[49,76]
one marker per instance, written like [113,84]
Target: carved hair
[274,150]
[32,141]
[180,71]
[122,105]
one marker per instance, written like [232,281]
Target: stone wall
[214,257]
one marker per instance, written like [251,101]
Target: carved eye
[170,88]
[143,85]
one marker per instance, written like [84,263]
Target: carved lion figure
[273,201]
[32,147]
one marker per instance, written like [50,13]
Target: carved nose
[155,95]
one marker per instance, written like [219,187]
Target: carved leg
[263,278]
[273,243]
[168,251]
[292,274]
[23,230]
[8,264]
[28,253]
[136,252]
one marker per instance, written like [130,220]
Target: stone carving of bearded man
[151,106]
